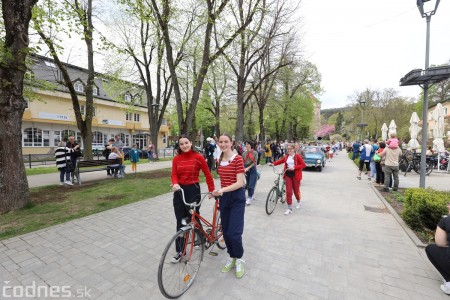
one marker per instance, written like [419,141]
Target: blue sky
[359,44]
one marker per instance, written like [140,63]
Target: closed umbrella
[392,128]
[414,130]
[384,131]
[438,129]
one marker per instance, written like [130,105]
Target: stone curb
[400,221]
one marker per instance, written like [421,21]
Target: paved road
[332,248]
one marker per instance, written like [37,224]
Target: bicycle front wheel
[175,276]
[271,201]
[220,241]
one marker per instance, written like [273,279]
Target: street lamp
[427,15]
[155,129]
[362,103]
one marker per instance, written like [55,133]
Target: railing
[33,160]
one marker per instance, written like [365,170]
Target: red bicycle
[176,276]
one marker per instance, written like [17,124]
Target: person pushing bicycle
[293,166]
[185,171]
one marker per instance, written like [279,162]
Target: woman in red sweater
[294,165]
[185,170]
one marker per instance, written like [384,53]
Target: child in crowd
[392,143]
[134,158]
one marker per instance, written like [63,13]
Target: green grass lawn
[51,205]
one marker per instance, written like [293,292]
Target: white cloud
[360,43]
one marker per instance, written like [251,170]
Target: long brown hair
[221,154]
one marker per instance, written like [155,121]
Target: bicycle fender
[186,228]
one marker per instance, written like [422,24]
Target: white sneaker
[446,288]
[68,182]
[288,211]
[299,204]
[61,183]
[253,197]
[249,201]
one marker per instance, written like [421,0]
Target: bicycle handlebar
[194,204]
[276,171]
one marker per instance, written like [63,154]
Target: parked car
[314,157]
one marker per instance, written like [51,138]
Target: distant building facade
[50,118]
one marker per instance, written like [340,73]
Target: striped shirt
[186,169]
[62,154]
[229,169]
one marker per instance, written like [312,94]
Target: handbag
[376,158]
[290,173]
[69,166]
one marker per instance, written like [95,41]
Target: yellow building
[49,118]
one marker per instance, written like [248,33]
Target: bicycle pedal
[213,253]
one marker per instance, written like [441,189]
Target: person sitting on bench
[116,167]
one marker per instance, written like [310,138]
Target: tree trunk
[13,181]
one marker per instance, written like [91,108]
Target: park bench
[84,166]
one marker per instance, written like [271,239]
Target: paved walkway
[332,248]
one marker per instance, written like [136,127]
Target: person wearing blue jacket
[364,158]
[134,158]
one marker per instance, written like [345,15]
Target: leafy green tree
[14,48]
[210,14]
[77,14]
[339,121]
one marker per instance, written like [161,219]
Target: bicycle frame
[277,181]
[197,220]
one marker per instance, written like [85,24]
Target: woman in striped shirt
[186,167]
[62,155]
[232,203]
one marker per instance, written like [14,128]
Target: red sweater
[186,168]
[299,165]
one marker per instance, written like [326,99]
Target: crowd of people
[236,164]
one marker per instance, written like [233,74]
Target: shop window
[32,137]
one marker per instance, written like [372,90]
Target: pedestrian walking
[391,166]
[63,162]
[250,170]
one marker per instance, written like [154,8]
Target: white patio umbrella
[438,129]
[392,128]
[414,130]
[384,131]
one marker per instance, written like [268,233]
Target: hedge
[423,208]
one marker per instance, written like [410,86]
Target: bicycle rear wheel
[175,278]
[271,201]
[220,241]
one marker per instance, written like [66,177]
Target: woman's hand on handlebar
[217,193]
[176,187]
